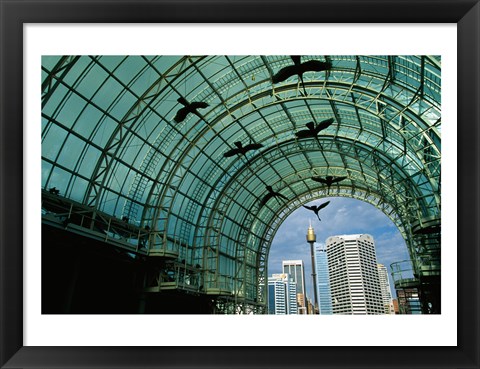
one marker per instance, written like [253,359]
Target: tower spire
[311,237]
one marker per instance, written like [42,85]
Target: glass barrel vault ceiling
[110,142]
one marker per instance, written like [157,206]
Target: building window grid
[359,270]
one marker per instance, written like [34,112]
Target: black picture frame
[14,14]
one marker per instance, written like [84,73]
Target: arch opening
[343,216]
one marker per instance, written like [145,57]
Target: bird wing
[266,198]
[304,133]
[284,73]
[198,104]
[297,59]
[182,101]
[338,179]
[324,124]
[319,179]
[315,66]
[308,207]
[231,152]
[253,146]
[181,115]
[323,205]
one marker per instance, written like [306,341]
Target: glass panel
[49,61]
[67,116]
[52,141]
[70,151]
[91,81]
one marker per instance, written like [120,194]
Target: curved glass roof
[112,142]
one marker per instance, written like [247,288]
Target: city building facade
[395,308]
[409,301]
[354,282]
[323,282]
[296,270]
[385,287]
[282,295]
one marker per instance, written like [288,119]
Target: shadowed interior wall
[84,276]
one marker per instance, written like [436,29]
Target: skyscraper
[385,287]
[352,270]
[323,282]
[295,269]
[282,293]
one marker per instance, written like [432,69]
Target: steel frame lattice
[110,143]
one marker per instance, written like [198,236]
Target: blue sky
[341,216]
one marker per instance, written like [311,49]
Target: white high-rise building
[352,269]
[282,295]
[297,272]
[385,287]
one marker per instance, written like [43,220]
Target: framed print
[176,138]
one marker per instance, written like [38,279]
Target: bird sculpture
[271,193]
[316,208]
[313,131]
[54,191]
[299,68]
[188,108]
[328,180]
[242,150]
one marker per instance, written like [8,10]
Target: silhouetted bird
[241,150]
[271,193]
[54,191]
[316,208]
[188,108]
[299,68]
[328,180]
[313,131]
